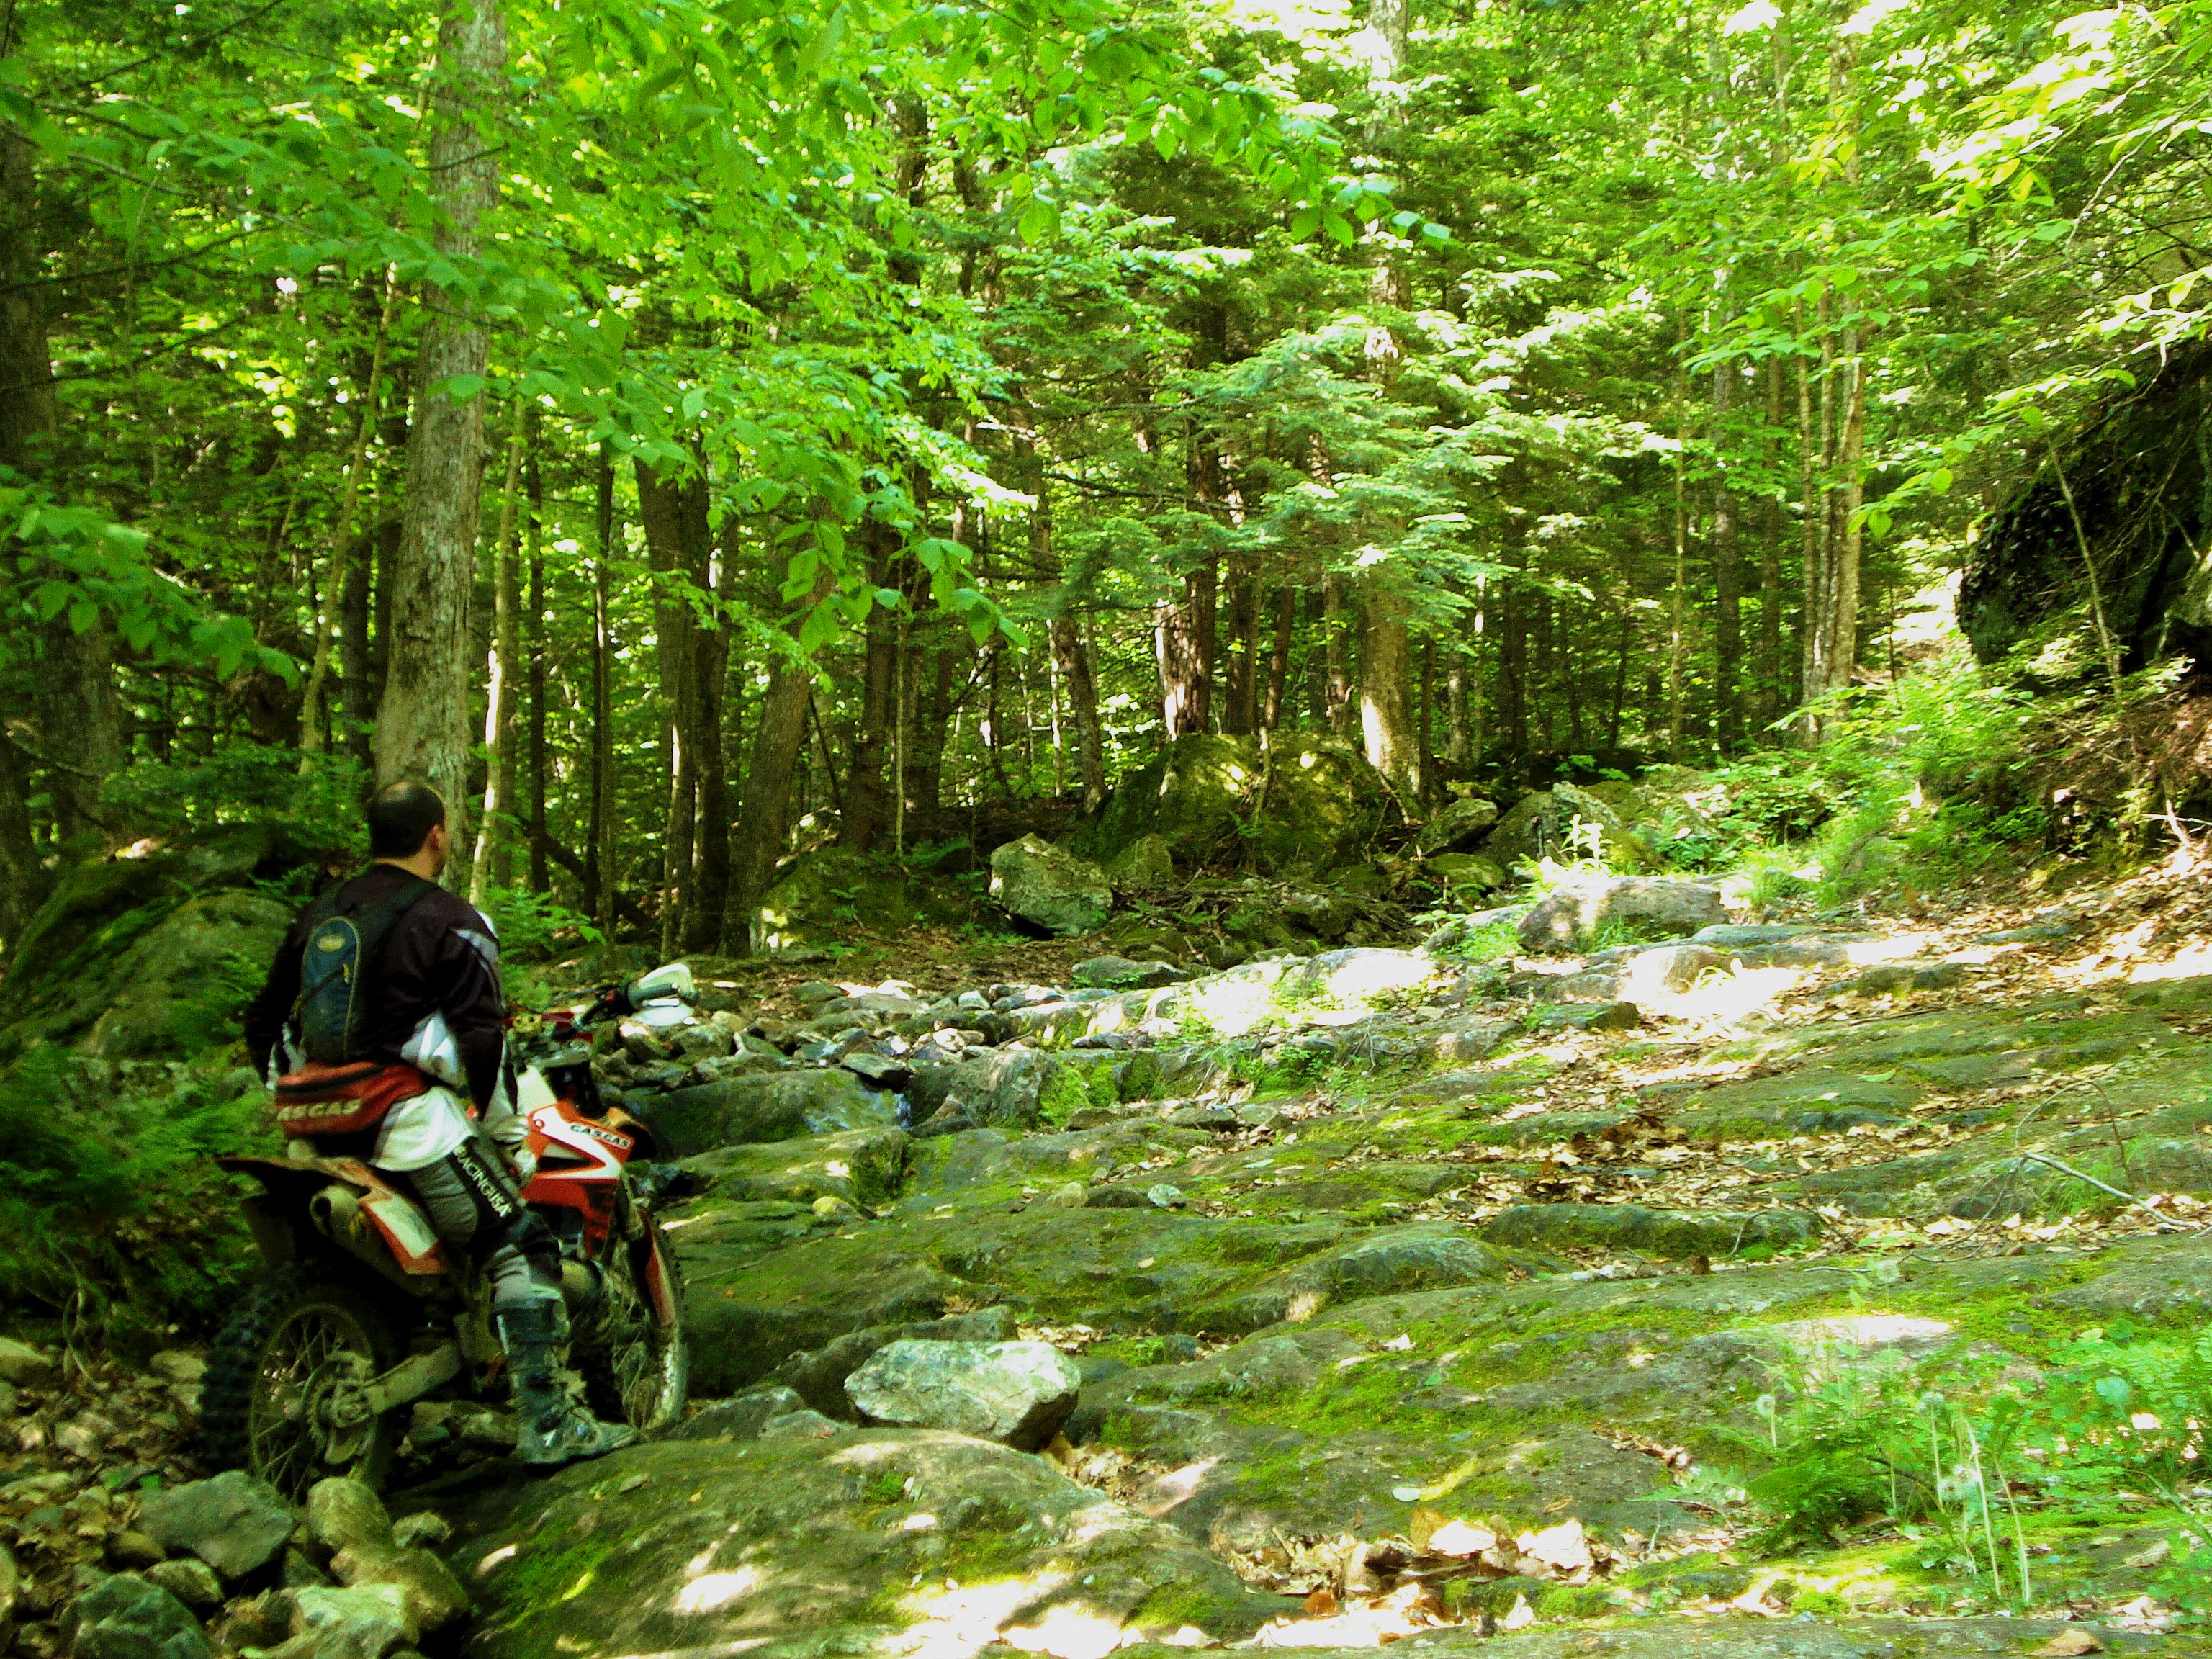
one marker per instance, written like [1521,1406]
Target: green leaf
[817,50]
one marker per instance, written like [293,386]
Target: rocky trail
[1451,1295]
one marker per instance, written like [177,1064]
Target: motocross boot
[552,1429]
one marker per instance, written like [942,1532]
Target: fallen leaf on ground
[1459,1540]
[1563,1548]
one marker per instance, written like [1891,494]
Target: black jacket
[440,959]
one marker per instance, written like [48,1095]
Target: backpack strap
[373,926]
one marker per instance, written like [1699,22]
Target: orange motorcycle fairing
[580,1166]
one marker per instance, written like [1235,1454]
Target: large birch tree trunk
[423,720]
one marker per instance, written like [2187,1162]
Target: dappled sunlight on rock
[951,1621]
[712,1591]
[1068,1630]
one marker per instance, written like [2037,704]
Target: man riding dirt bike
[382,1031]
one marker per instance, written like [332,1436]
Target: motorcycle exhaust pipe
[336,1211]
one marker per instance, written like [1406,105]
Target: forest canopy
[683,431]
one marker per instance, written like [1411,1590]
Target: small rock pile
[110,1548]
[233,1567]
[882,1034]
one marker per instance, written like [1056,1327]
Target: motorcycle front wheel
[280,1397]
[635,1364]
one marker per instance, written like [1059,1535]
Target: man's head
[407,823]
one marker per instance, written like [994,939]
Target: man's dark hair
[401,816]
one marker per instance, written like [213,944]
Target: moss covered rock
[1050,887]
[761,1106]
[1300,804]
[834,893]
[864,1541]
[1654,1232]
[152,956]
[862,1166]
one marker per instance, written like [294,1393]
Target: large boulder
[867,1541]
[834,893]
[816,1379]
[1359,976]
[1533,827]
[767,1106]
[150,955]
[1578,915]
[1005,1088]
[1610,816]
[1145,865]
[1458,825]
[1050,887]
[2029,572]
[1018,1394]
[1297,805]
[1464,873]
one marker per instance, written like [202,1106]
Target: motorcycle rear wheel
[277,1381]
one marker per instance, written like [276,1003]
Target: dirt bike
[366,1313]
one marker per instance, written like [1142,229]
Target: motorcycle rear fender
[411,1254]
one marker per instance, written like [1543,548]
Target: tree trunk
[1240,712]
[494,856]
[866,793]
[710,665]
[1182,640]
[533,485]
[1457,674]
[1336,684]
[673,512]
[1620,677]
[1770,574]
[1813,460]
[764,813]
[80,722]
[1072,653]
[1842,629]
[1279,657]
[1571,679]
[1513,670]
[1677,643]
[353,696]
[421,722]
[330,600]
[1728,585]
[928,673]
[1386,713]
[600,875]
[23,881]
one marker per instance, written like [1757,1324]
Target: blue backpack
[342,956]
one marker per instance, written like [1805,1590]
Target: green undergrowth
[112,1212]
